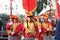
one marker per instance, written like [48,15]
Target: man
[46,28]
[39,28]
[28,30]
[8,29]
[14,26]
[11,28]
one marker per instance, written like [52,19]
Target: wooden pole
[10,7]
[50,6]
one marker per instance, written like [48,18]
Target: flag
[57,10]
[29,5]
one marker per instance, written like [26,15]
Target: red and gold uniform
[15,26]
[28,32]
[39,31]
[46,25]
[10,27]
[38,28]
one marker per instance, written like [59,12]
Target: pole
[10,7]
[50,6]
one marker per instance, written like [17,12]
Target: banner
[57,10]
[29,5]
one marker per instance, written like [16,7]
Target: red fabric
[44,29]
[23,30]
[29,5]
[7,26]
[40,37]
[56,15]
[28,35]
[38,34]
[18,29]
[57,10]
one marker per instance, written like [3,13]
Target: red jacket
[21,27]
[7,26]
[28,35]
[18,29]
[8,29]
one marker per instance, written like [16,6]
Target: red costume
[8,29]
[21,27]
[25,31]
[39,31]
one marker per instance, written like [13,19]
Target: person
[14,26]
[28,31]
[11,27]
[46,27]
[8,29]
[39,28]
[18,30]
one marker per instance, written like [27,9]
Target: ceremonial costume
[8,28]
[28,33]
[11,27]
[46,27]
[39,31]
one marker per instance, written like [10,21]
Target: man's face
[46,20]
[14,20]
[10,19]
[28,19]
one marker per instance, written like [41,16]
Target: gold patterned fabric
[31,28]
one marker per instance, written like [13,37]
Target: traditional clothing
[39,31]
[9,30]
[11,27]
[29,32]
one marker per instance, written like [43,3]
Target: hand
[12,33]
[23,37]
[36,38]
[48,29]
[54,28]
[49,20]
[11,23]
[39,30]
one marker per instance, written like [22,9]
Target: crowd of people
[33,28]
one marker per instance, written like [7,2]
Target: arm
[50,27]
[23,30]
[17,30]
[7,26]
[8,29]
[37,31]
